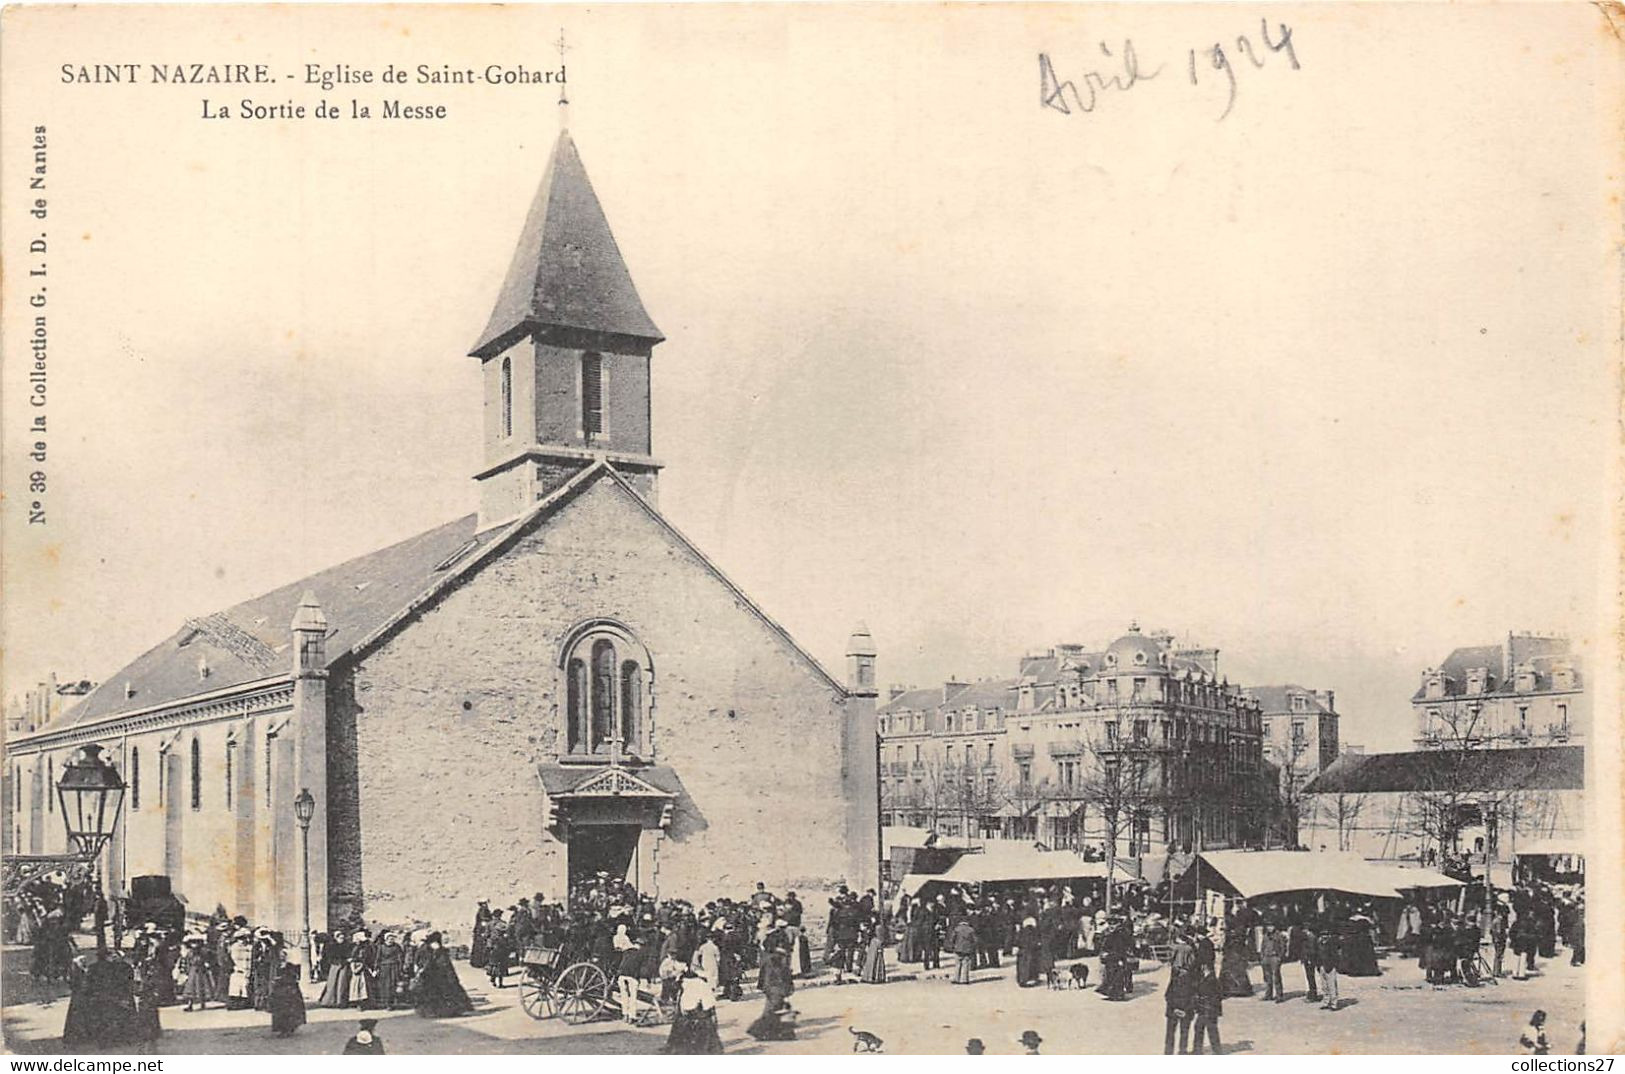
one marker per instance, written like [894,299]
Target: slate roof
[1277,700]
[1541,653]
[1529,767]
[995,693]
[567,270]
[251,640]
[364,598]
[925,698]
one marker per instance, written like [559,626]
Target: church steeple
[565,354]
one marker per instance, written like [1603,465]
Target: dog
[865,1041]
[1080,975]
[1054,979]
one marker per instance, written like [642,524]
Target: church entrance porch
[611,818]
[611,849]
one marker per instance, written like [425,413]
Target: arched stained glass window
[576,689]
[135,778]
[631,706]
[197,774]
[603,694]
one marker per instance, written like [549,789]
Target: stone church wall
[436,734]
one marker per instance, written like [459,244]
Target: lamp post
[304,808]
[92,794]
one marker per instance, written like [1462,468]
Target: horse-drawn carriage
[579,993]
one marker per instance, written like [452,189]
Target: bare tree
[1341,811]
[1123,782]
[1471,779]
[1294,775]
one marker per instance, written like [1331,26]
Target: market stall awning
[1552,848]
[1007,862]
[1269,872]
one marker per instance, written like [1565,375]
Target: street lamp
[91,793]
[304,808]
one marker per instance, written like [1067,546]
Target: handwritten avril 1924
[1209,64]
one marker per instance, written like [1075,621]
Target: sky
[1324,383]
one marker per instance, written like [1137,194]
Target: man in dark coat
[1209,1006]
[1328,952]
[1301,944]
[1179,1003]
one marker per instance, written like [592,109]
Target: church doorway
[604,848]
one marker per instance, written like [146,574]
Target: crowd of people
[680,958]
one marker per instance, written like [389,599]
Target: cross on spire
[562,48]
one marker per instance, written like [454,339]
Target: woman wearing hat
[774,1022]
[287,1003]
[694,1030]
[241,952]
[194,967]
[1027,953]
[439,993]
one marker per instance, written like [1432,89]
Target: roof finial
[564,100]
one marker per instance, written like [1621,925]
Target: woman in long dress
[337,992]
[482,921]
[439,993]
[694,1030]
[287,1003]
[874,959]
[1029,954]
[905,934]
[194,967]
[1359,950]
[774,1022]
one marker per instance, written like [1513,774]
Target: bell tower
[565,355]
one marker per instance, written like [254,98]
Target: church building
[556,686]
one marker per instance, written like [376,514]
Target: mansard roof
[1538,652]
[567,271]
[1277,700]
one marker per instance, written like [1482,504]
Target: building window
[990,755]
[1111,732]
[269,739]
[507,397]
[1139,689]
[1298,732]
[135,779]
[1026,773]
[231,749]
[50,785]
[916,753]
[197,773]
[592,394]
[1562,715]
[605,692]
